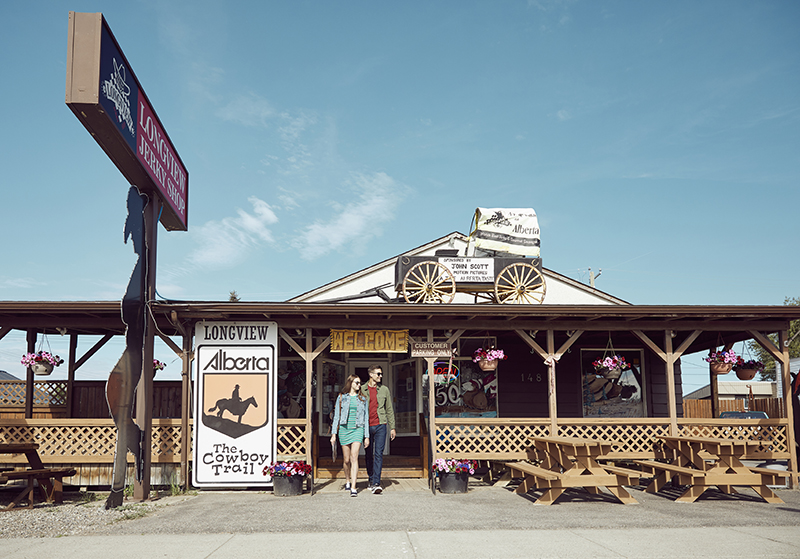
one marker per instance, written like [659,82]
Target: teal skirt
[349,433]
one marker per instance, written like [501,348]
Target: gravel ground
[77,515]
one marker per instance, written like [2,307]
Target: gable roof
[375,283]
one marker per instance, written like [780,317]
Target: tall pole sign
[103,92]
[105,95]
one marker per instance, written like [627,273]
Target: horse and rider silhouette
[235,405]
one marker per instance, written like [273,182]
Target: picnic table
[702,463]
[567,462]
[50,479]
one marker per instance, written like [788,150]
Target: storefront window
[291,388]
[333,377]
[404,392]
[616,393]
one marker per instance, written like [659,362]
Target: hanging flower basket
[42,368]
[746,370]
[41,362]
[487,365]
[720,368]
[487,359]
[721,362]
[610,367]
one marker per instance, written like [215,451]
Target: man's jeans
[374,453]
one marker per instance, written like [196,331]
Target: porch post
[309,359]
[551,384]
[671,401]
[31,336]
[73,350]
[186,403]
[783,337]
[431,402]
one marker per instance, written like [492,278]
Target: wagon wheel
[429,282]
[519,283]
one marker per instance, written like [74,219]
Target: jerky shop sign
[369,341]
[105,95]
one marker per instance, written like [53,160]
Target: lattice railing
[292,440]
[45,393]
[506,439]
[93,440]
[87,440]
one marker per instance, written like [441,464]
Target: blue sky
[657,141]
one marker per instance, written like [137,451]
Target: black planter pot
[287,486]
[453,483]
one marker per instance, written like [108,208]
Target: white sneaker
[347,486]
[353,493]
[377,489]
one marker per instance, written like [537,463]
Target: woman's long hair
[348,384]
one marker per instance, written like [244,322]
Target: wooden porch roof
[103,317]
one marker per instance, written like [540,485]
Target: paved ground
[408,521]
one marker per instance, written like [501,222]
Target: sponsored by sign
[115,110]
[511,230]
[472,270]
[369,341]
[235,407]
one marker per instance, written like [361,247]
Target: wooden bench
[677,470]
[55,494]
[631,477]
[530,471]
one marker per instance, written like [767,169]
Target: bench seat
[52,490]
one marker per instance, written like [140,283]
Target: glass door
[359,367]
[405,382]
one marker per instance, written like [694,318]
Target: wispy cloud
[19,283]
[563,115]
[227,242]
[355,223]
[249,110]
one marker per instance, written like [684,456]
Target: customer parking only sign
[235,407]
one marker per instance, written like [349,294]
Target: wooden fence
[774,407]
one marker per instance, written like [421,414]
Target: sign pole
[144,392]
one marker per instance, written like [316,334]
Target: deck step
[400,467]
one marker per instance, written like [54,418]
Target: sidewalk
[412,523]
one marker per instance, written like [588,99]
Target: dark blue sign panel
[119,94]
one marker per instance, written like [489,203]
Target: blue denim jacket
[342,412]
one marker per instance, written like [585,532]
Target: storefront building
[545,386]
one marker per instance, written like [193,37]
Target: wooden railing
[507,439]
[77,441]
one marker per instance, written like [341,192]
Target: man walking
[381,416]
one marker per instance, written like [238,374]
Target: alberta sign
[105,95]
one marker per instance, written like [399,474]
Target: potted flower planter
[42,368]
[746,374]
[721,368]
[487,365]
[450,482]
[287,486]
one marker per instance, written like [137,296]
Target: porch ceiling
[103,317]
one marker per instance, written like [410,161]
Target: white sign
[235,407]
[470,269]
[511,230]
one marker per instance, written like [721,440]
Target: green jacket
[385,408]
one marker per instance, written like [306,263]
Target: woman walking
[350,423]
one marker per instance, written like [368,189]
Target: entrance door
[359,367]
